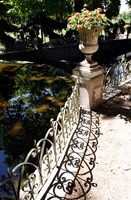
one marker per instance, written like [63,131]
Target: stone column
[91,83]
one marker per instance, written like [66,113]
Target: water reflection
[29,97]
[3,166]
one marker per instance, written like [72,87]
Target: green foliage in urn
[87,19]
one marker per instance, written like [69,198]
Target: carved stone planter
[89,44]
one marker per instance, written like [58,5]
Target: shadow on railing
[27,178]
[74,177]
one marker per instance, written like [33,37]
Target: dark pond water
[29,97]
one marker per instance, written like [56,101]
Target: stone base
[91,85]
[85,64]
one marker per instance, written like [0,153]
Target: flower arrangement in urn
[87,19]
[89,25]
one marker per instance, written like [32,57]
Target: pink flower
[99,16]
[84,9]
[76,14]
[79,27]
[100,10]
[88,19]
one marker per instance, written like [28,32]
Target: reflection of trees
[38,93]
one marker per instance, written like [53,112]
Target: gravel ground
[112,172]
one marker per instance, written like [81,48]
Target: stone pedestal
[91,84]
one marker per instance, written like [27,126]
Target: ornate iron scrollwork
[74,178]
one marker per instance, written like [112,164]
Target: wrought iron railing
[115,76]
[74,176]
[28,178]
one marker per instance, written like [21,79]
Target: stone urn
[89,72]
[89,44]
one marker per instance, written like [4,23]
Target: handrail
[117,74]
[116,77]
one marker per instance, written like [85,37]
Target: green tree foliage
[5,25]
[22,9]
[126,16]
[128,2]
[112,8]
[78,5]
[58,9]
[91,5]
[3,9]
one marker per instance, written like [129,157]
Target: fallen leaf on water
[16,129]
[59,103]
[50,98]
[36,78]
[42,108]
[4,104]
